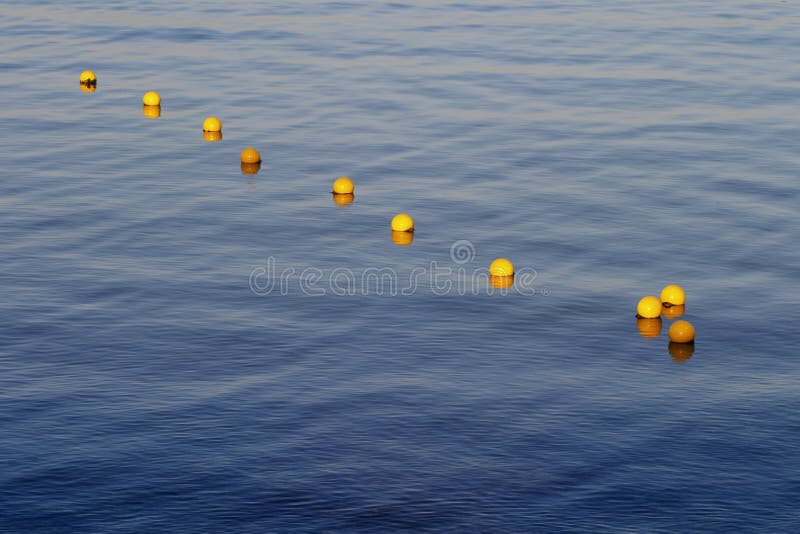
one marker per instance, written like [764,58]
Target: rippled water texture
[606,148]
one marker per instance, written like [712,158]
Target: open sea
[188,345]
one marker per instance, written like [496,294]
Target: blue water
[159,371]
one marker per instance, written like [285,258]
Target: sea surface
[186,347]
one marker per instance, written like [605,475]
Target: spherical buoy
[250,155]
[212,124]
[403,223]
[649,307]
[501,267]
[88,78]
[673,295]
[649,327]
[151,98]
[681,332]
[151,112]
[343,186]
[402,239]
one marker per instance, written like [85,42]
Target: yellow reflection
[680,352]
[88,88]
[501,282]
[402,239]
[248,168]
[649,327]
[344,198]
[212,136]
[673,312]
[151,112]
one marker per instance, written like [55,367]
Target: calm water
[608,147]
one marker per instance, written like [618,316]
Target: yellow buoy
[649,327]
[212,137]
[673,312]
[343,186]
[151,112]
[673,295]
[348,198]
[250,168]
[212,124]
[403,223]
[402,239]
[250,155]
[681,332]
[649,307]
[501,267]
[88,88]
[88,78]
[151,98]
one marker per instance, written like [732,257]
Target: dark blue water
[189,348]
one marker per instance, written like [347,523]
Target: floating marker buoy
[649,307]
[403,223]
[681,332]
[212,124]
[501,267]
[151,98]
[250,155]
[88,78]
[343,186]
[673,295]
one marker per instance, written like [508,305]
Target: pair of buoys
[401,222]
